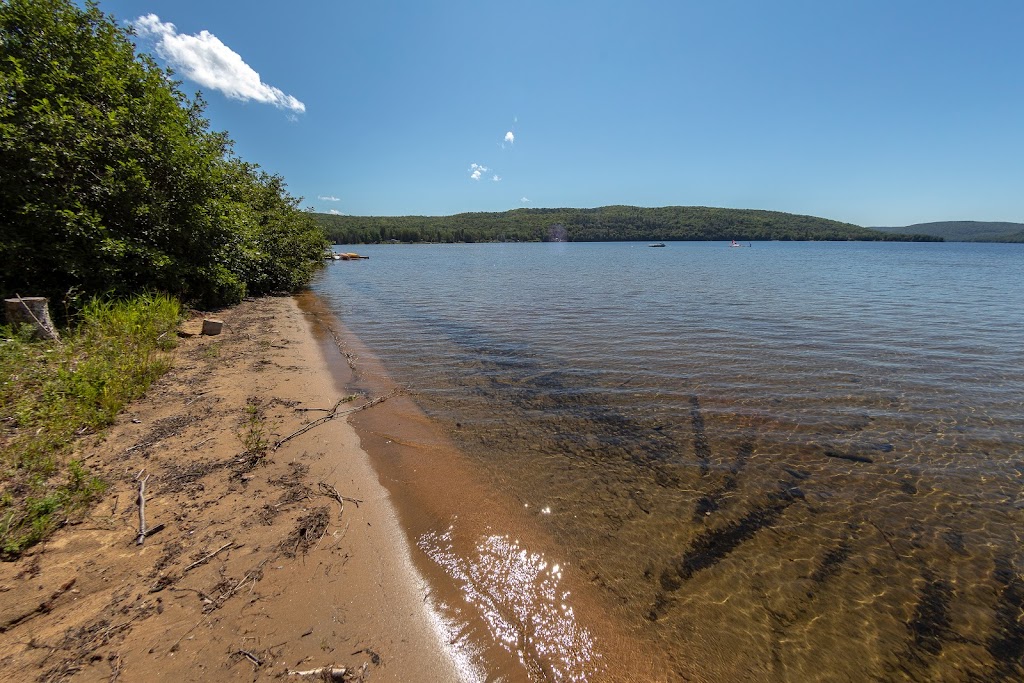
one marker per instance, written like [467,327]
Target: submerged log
[32,310]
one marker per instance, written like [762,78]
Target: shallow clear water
[795,461]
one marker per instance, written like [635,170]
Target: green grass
[253,433]
[51,393]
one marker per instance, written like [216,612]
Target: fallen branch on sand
[143,531]
[331,492]
[251,657]
[141,508]
[333,673]
[333,414]
[253,575]
[207,557]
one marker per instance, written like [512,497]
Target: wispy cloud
[335,212]
[476,171]
[524,200]
[203,58]
[328,198]
[496,177]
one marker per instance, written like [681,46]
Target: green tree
[112,180]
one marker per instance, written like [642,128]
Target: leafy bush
[113,182]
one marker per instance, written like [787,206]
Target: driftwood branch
[331,492]
[251,657]
[333,414]
[142,510]
[144,532]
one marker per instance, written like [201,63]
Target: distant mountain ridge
[603,224]
[965,231]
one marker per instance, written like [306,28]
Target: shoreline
[258,570]
[517,602]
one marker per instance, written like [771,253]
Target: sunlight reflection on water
[519,595]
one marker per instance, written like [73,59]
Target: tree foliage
[113,181]
[605,224]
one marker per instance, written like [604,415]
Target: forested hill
[966,231]
[604,224]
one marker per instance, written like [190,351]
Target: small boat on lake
[657,244]
[351,256]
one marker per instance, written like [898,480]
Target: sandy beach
[258,569]
[302,514]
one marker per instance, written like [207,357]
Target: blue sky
[874,112]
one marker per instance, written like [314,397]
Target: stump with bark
[32,310]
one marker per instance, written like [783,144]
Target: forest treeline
[604,224]
[113,183]
[967,231]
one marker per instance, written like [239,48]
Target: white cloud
[477,171]
[524,200]
[203,58]
[328,198]
[335,212]
[496,177]
[510,138]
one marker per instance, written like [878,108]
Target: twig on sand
[331,492]
[142,509]
[115,666]
[333,414]
[253,575]
[332,673]
[207,557]
[251,657]
[174,647]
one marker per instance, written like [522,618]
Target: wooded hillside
[605,224]
[966,231]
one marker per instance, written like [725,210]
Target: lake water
[785,462]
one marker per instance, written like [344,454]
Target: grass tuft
[253,433]
[54,392]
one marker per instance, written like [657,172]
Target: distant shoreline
[603,224]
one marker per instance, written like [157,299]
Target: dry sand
[258,569]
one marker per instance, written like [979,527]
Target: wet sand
[258,570]
[513,605]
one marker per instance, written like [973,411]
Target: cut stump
[32,310]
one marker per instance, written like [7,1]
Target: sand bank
[258,570]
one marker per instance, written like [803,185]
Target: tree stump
[212,326]
[32,310]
